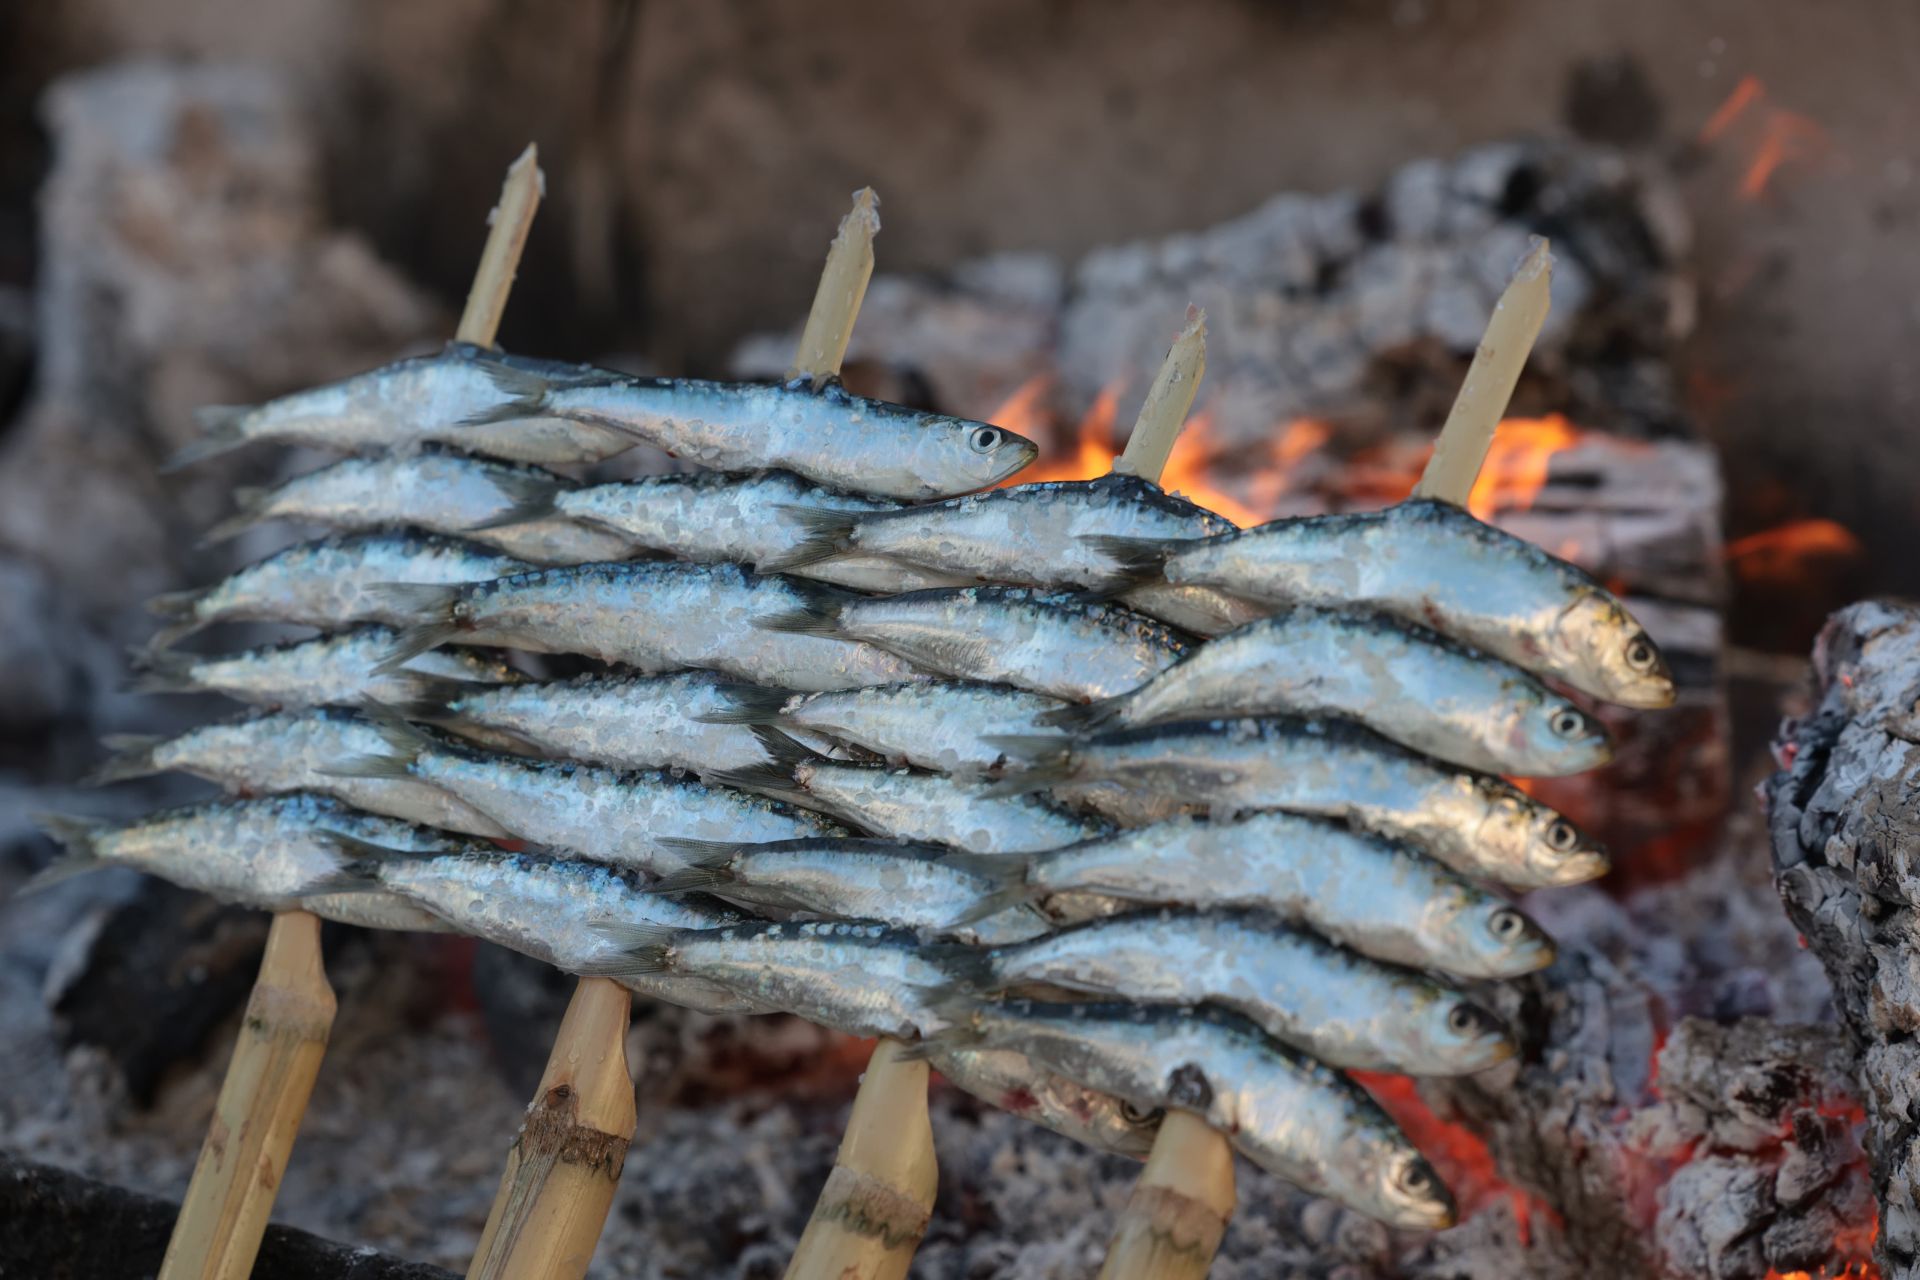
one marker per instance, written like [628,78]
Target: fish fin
[1006,877]
[220,432]
[1036,763]
[132,758]
[968,970]
[78,852]
[764,779]
[163,671]
[372,766]
[828,533]
[644,949]
[783,751]
[818,615]
[1087,717]
[703,853]
[693,880]
[1140,559]
[524,392]
[250,501]
[748,704]
[432,608]
[432,702]
[405,744]
[394,729]
[533,495]
[180,611]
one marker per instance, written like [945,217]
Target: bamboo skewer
[878,1198]
[1177,1215]
[565,1162]
[257,1115]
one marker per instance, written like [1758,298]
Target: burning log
[1843,822]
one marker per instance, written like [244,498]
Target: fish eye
[1507,925]
[1561,836]
[1139,1116]
[1568,723]
[1415,1178]
[984,439]
[1641,654]
[1464,1019]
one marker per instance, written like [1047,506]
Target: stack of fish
[1110,807]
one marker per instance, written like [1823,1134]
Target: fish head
[1535,846]
[956,455]
[1604,652]
[1453,1031]
[1397,1185]
[1495,940]
[1552,736]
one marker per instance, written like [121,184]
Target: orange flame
[1784,136]
[1799,552]
[1189,468]
[1517,465]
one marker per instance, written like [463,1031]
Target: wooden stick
[509,223]
[1490,381]
[1177,1215]
[1168,402]
[257,1115]
[565,1165]
[843,287]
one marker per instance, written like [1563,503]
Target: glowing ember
[1783,136]
[1458,1153]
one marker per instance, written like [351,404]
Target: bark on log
[1845,827]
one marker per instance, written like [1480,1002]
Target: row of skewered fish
[1224,803]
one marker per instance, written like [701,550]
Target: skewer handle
[257,1115]
[565,1165]
[1177,1215]
[508,226]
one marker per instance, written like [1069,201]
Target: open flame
[1780,137]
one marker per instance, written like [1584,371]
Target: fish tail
[1138,561]
[251,499]
[818,615]
[1098,714]
[359,869]
[828,534]
[748,704]
[1006,877]
[432,701]
[968,970]
[782,751]
[162,671]
[523,393]
[79,851]
[693,880]
[404,743]
[1036,762]
[222,430]
[764,779]
[956,1009]
[642,949]
[430,606]
[704,853]
[132,758]
[533,495]
[177,606]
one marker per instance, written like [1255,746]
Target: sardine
[826,435]
[905,885]
[564,912]
[324,583]
[1044,642]
[1431,563]
[1031,535]
[622,721]
[464,396]
[622,817]
[1479,825]
[436,490]
[1344,1009]
[711,519]
[1016,1084]
[276,853]
[654,617]
[863,979]
[1400,680]
[294,751]
[927,807]
[1285,1112]
[333,670]
[1376,896]
[941,725]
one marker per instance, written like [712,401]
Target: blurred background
[208,201]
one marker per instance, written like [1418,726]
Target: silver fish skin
[1402,681]
[1376,896]
[625,818]
[440,491]
[463,396]
[325,583]
[905,885]
[621,721]
[1433,563]
[923,807]
[1285,1112]
[287,751]
[1479,825]
[332,670]
[1343,1009]
[655,616]
[826,435]
[569,914]
[276,853]
[709,519]
[856,977]
[1013,1082]
[942,725]
[1043,642]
